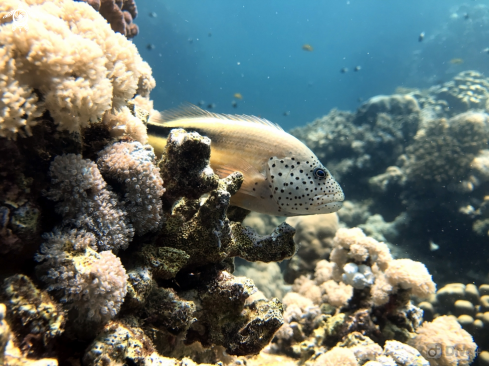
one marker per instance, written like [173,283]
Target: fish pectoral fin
[224,171]
[254,184]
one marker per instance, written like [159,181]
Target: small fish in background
[466,16]
[211,106]
[433,246]
[287,113]
[344,70]
[201,103]
[357,68]
[153,14]
[421,37]
[234,104]
[150,46]
[238,96]
[307,47]
[456,61]
[190,40]
[282,176]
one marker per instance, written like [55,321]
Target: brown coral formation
[359,298]
[119,14]
[314,237]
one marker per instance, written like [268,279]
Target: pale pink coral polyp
[71,56]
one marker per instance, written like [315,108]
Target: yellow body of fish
[307,47]
[282,176]
[238,96]
[456,61]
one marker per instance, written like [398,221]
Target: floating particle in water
[234,104]
[150,46]
[153,14]
[344,70]
[357,68]
[433,246]
[307,47]
[421,37]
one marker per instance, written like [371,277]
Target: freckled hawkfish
[282,176]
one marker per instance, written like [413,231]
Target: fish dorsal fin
[189,110]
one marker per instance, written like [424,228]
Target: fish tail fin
[155,118]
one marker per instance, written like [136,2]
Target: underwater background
[208,51]
[124,239]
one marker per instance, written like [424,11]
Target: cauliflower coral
[444,342]
[67,61]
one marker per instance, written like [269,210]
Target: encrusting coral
[10,354]
[360,289]
[69,63]
[42,319]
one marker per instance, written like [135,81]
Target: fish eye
[320,173]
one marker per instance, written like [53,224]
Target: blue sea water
[210,50]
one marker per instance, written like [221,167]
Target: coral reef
[10,354]
[136,262]
[67,47]
[469,304]
[85,202]
[178,288]
[95,283]
[37,318]
[119,14]
[360,297]
[132,165]
[434,171]
[456,346]
[314,237]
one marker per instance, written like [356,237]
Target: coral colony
[110,256]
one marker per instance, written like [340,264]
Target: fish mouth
[332,197]
[331,202]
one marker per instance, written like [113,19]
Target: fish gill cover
[110,255]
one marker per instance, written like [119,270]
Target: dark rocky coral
[19,213]
[226,320]
[193,296]
[185,166]
[119,14]
[201,229]
[37,318]
[119,342]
